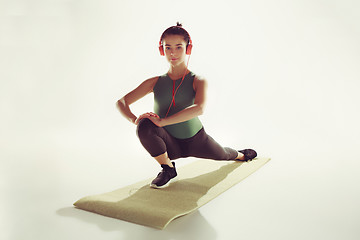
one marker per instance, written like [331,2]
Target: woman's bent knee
[145,128]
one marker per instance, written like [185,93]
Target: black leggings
[157,141]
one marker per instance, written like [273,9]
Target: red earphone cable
[174,92]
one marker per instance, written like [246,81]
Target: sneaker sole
[163,186]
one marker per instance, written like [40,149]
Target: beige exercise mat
[197,184]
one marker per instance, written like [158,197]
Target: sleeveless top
[185,97]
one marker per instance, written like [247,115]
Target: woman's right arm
[142,90]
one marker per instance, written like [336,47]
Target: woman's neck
[176,72]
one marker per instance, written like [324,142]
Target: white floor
[285,82]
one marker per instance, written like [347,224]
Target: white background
[283,79]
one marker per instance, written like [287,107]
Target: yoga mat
[198,183]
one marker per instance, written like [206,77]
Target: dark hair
[176,30]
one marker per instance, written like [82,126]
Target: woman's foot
[248,155]
[164,177]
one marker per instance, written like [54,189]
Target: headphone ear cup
[188,49]
[161,49]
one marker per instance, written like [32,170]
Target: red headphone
[188,47]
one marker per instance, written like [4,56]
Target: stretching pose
[174,130]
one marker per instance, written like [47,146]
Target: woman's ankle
[240,156]
[164,159]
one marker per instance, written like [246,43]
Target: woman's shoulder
[199,80]
[150,82]
[196,77]
[156,78]
[153,79]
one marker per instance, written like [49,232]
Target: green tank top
[185,97]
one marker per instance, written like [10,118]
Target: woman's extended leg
[204,146]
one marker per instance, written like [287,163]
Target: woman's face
[175,49]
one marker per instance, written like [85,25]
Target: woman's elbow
[120,103]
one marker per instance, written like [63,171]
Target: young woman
[174,130]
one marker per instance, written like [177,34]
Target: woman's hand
[150,115]
[157,121]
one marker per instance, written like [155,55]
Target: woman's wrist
[133,120]
[163,122]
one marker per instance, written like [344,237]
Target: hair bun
[178,24]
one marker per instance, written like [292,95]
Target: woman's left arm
[197,109]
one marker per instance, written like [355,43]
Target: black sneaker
[249,154]
[163,178]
